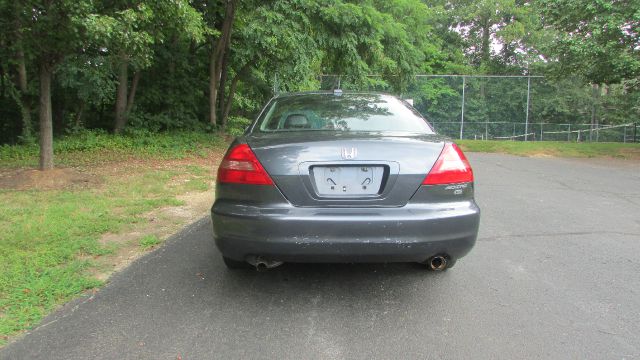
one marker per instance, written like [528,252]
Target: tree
[127,32]
[50,30]
[595,40]
[15,61]
[281,46]
[219,17]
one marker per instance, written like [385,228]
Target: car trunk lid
[318,169]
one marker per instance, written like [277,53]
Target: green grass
[90,147]
[149,241]
[49,239]
[552,148]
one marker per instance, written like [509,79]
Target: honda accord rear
[353,177]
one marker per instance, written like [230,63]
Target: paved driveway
[555,274]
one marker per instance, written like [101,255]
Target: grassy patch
[552,148]
[50,239]
[90,147]
[149,241]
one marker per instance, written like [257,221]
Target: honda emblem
[349,154]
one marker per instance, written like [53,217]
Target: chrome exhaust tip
[262,264]
[437,263]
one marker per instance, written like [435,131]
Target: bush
[236,125]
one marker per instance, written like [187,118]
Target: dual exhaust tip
[435,263]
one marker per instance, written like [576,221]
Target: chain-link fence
[541,131]
[519,108]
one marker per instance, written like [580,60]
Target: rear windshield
[347,112]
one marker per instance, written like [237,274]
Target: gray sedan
[343,177]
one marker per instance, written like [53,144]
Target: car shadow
[366,284]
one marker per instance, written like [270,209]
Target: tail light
[452,167]
[241,166]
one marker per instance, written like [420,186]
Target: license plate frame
[356,180]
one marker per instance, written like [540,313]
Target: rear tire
[234,264]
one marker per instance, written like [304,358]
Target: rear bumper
[414,232]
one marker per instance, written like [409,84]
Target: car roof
[330,92]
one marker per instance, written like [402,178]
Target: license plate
[347,180]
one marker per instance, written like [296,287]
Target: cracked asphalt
[555,274]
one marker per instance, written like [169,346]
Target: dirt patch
[542,155]
[630,153]
[133,166]
[91,177]
[54,179]
[161,223]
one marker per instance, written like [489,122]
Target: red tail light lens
[241,166]
[452,167]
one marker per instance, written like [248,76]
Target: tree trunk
[79,114]
[132,95]
[213,88]
[224,72]
[25,106]
[25,103]
[232,92]
[121,96]
[485,52]
[229,102]
[46,128]
[216,59]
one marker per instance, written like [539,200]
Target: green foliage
[85,76]
[131,32]
[87,147]
[596,40]
[149,241]
[237,125]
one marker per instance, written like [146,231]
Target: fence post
[464,83]
[526,118]
[624,135]
[635,130]
[569,134]
[541,131]
[486,130]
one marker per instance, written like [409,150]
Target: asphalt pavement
[555,274]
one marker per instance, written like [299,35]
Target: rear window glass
[347,112]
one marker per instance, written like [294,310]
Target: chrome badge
[349,154]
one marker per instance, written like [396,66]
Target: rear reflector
[241,166]
[452,167]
